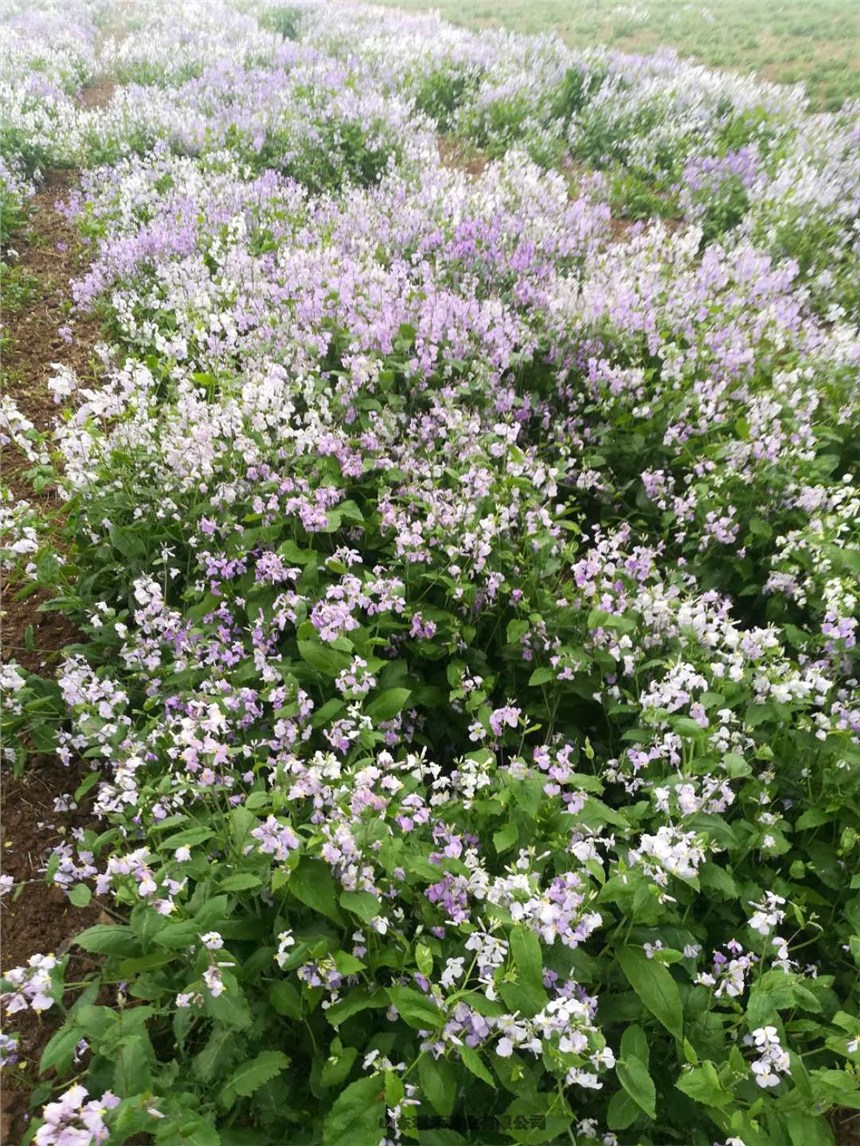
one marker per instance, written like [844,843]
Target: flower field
[449,492]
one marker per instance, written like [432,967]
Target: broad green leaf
[338,1065]
[313,884]
[387,704]
[80,895]
[60,1050]
[361,903]
[438,1080]
[357,1117]
[285,999]
[416,1009]
[654,985]
[186,1132]
[527,994]
[108,939]
[528,960]
[241,881]
[634,1042]
[505,837]
[359,999]
[634,1077]
[131,1074]
[702,1084]
[622,1111]
[327,661]
[472,1062]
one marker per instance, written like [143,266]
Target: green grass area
[816,41]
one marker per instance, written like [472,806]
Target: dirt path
[36,917]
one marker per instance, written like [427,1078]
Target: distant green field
[816,41]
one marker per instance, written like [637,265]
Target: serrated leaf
[622,1111]
[211,1061]
[473,1062]
[250,1076]
[60,1050]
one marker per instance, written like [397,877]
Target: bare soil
[36,917]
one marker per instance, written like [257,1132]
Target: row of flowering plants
[469,598]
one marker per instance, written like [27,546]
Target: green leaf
[515,630]
[358,1000]
[241,881]
[250,1076]
[80,895]
[131,1074]
[108,939]
[634,1077]
[634,1042]
[424,959]
[285,999]
[188,1132]
[702,1084]
[622,1111]
[338,1065]
[357,1116]
[505,837]
[387,704]
[654,985]
[439,1082]
[211,1061]
[415,1009]
[313,885]
[361,903]
[541,676]
[808,1129]
[347,964]
[527,994]
[327,661]
[472,1061]
[59,1052]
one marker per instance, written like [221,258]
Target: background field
[816,41]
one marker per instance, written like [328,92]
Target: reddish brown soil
[36,917]
[48,252]
[98,94]
[454,153]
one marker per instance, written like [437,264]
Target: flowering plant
[470,672]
